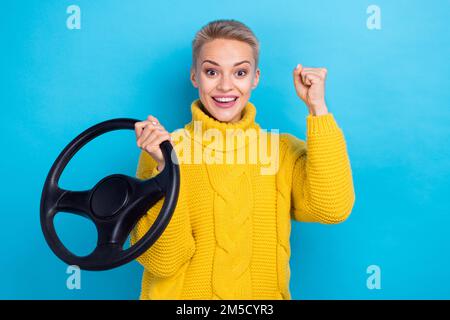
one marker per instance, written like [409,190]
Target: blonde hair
[224,29]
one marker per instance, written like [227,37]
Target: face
[225,69]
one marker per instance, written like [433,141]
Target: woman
[229,234]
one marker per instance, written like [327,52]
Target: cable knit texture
[229,234]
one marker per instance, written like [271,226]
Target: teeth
[224,99]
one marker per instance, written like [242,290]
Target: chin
[224,114]
[224,119]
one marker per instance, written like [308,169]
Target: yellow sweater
[229,234]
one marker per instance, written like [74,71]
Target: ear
[192,77]
[256,78]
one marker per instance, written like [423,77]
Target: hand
[149,135]
[310,86]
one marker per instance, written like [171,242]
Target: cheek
[247,82]
[206,84]
[245,86]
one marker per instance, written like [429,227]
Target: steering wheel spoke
[76,202]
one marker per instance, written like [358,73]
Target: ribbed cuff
[323,124]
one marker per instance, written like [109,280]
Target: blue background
[388,90]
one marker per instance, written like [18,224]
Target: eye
[208,70]
[244,71]
[212,72]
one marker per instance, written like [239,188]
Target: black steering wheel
[115,204]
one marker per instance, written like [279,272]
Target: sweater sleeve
[176,245]
[322,183]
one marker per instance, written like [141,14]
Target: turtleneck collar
[202,121]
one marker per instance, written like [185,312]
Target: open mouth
[224,103]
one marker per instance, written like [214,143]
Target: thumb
[299,86]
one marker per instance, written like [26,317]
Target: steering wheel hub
[109,196]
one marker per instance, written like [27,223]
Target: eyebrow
[236,64]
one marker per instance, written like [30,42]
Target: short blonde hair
[224,29]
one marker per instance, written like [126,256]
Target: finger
[321,73]
[302,80]
[317,69]
[157,140]
[153,119]
[148,138]
[150,148]
[140,126]
[146,133]
[322,69]
[311,78]
[304,77]
[297,78]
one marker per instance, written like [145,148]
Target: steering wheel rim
[115,204]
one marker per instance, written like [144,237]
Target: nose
[225,83]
